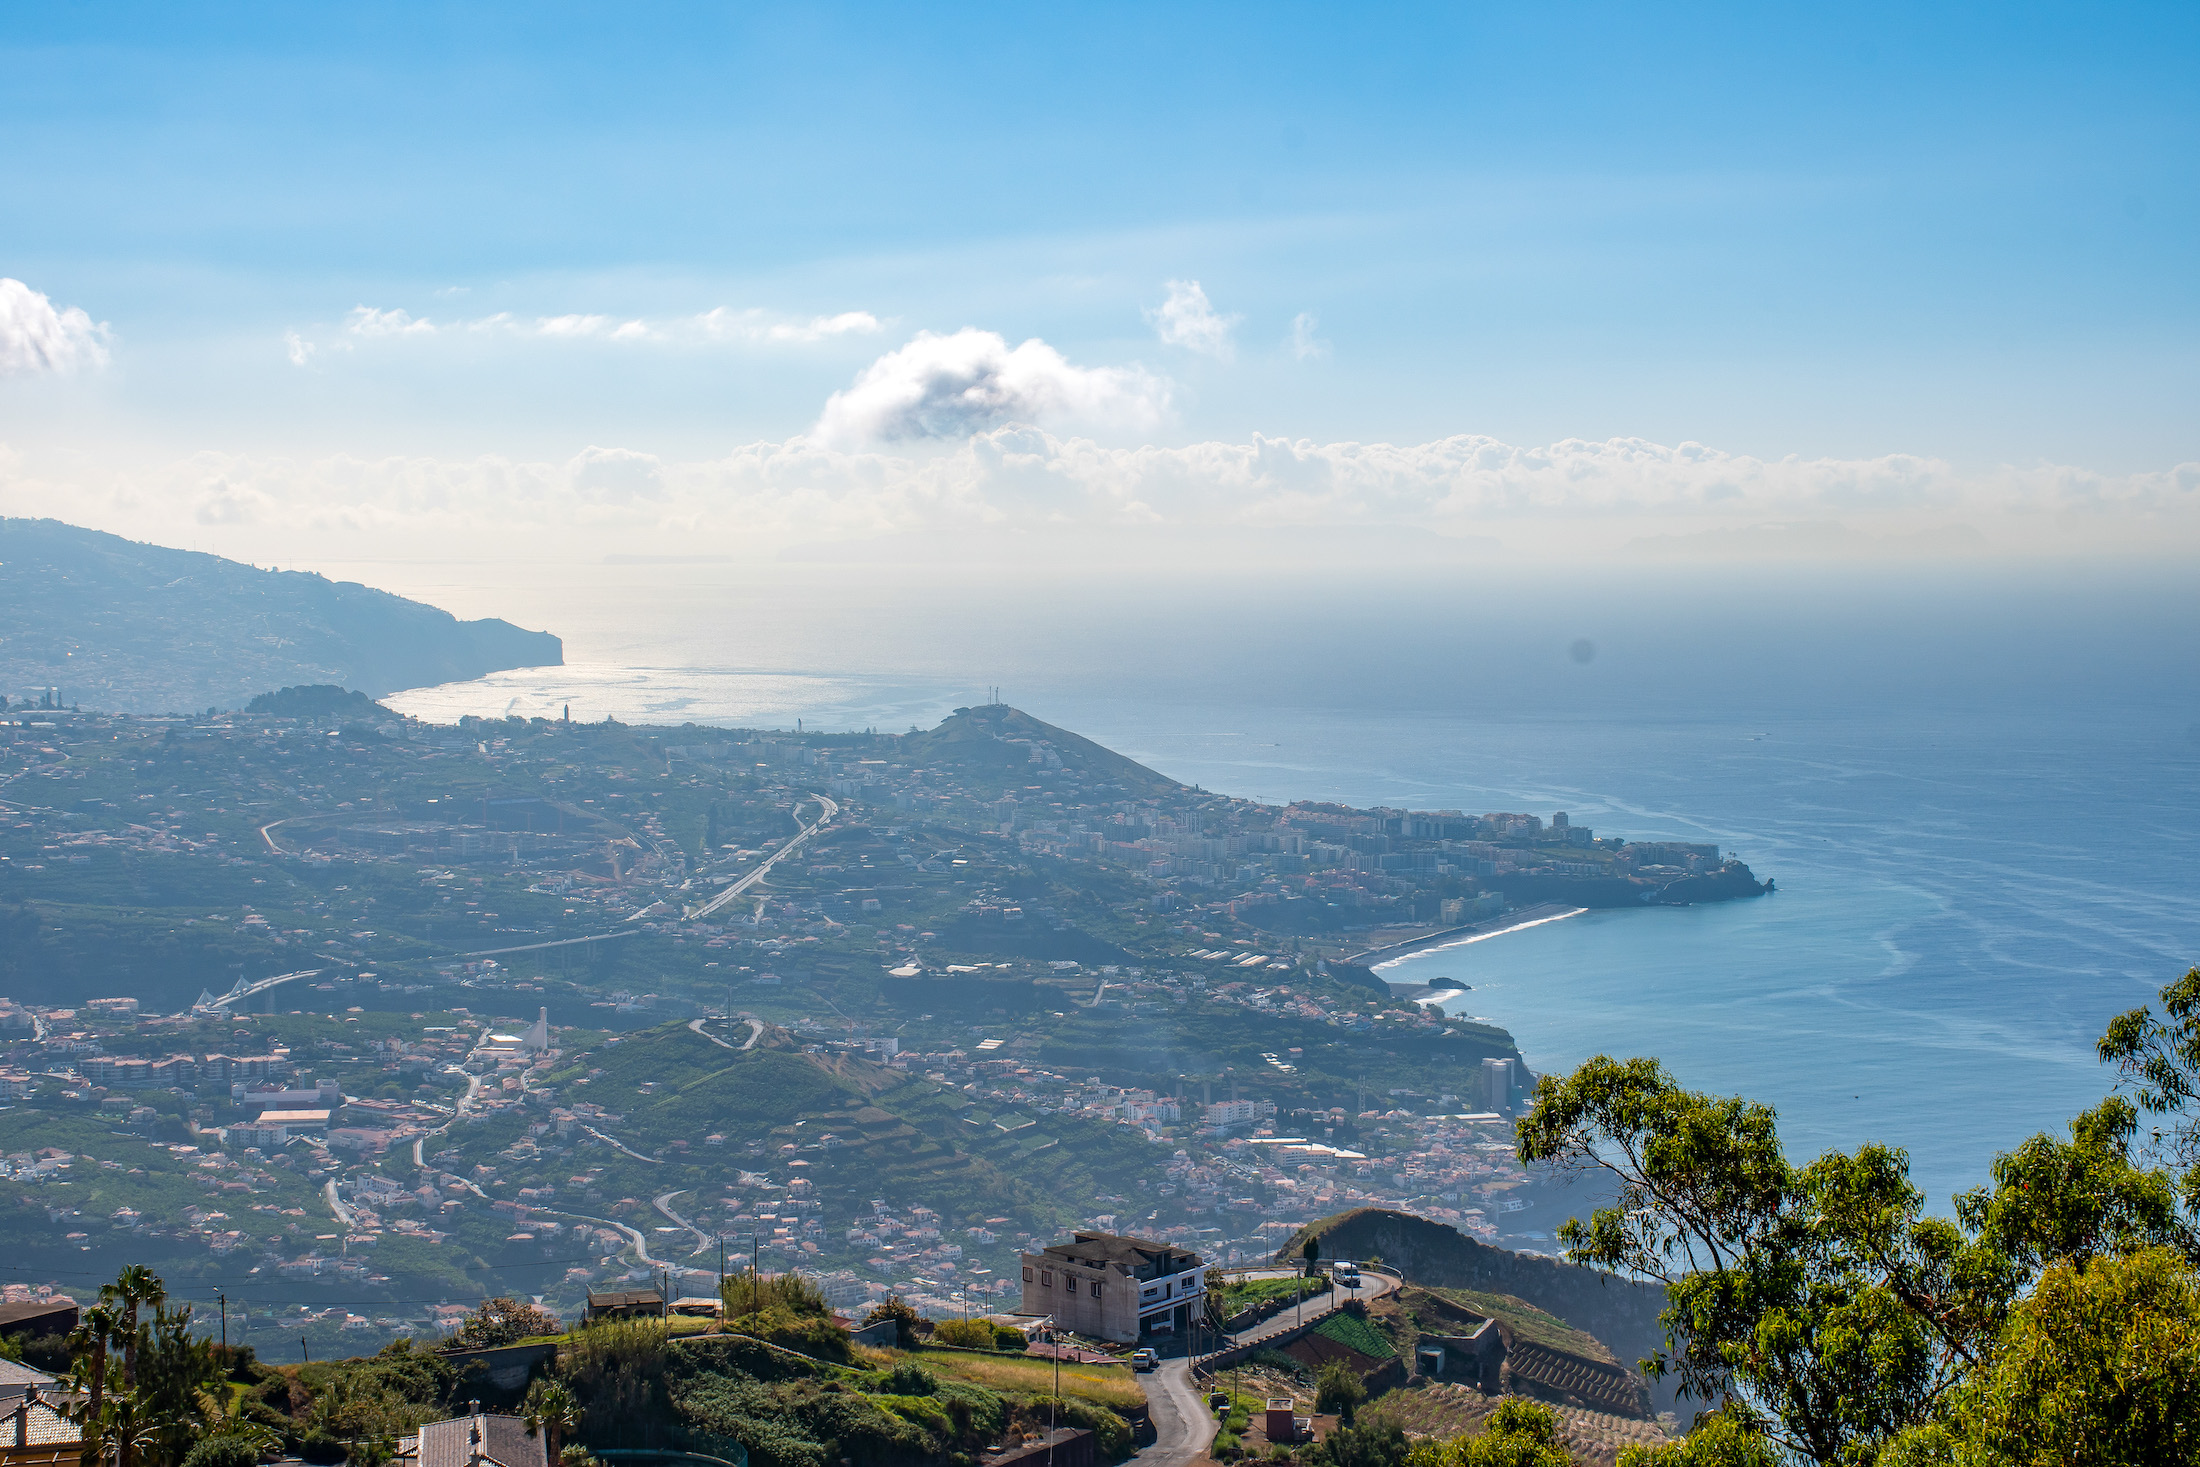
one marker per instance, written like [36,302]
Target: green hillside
[858,1130]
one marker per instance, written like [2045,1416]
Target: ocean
[1978,792]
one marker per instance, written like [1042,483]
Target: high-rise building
[1499,1078]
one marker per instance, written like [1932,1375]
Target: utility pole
[225,1317]
[306,1348]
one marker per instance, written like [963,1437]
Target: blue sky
[1963,234]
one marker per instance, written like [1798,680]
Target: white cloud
[370,321]
[575,325]
[725,324]
[1189,320]
[615,475]
[952,386]
[719,324]
[1306,342]
[1578,501]
[35,338]
[297,348]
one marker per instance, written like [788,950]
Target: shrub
[1364,1446]
[223,1451]
[322,1448]
[502,1321]
[906,1320]
[790,1292]
[807,1334]
[1338,1389]
[908,1378]
[966,1334]
[1008,1337]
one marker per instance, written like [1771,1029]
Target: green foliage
[908,1378]
[1355,1333]
[223,1451]
[323,1448]
[964,1334]
[502,1321]
[906,1319]
[1008,1337]
[1838,1320]
[1338,1390]
[1363,1446]
[616,1369]
[1719,1440]
[2100,1365]
[2159,1059]
[1111,1434]
[805,1334]
[1519,1433]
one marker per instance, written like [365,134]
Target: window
[1096,1288]
[1069,1282]
[1046,1278]
[1027,1273]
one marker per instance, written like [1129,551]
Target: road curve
[1182,1424]
[663,1203]
[828,809]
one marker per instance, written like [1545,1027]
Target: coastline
[1520,921]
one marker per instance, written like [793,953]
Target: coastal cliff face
[131,628]
[1620,1313]
[1729,882]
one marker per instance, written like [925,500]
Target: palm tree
[134,1286]
[555,1412]
[96,1332]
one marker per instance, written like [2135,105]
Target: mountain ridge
[131,627]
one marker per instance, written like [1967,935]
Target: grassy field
[1113,1386]
[1244,1293]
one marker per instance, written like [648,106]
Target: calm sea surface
[1980,804]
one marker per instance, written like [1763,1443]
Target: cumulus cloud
[297,348]
[953,386]
[1188,319]
[1305,340]
[37,339]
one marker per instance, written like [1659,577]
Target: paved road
[756,1032]
[630,1151]
[663,1203]
[1182,1424]
[1372,1286]
[829,808]
[336,1204]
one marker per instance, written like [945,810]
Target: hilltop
[999,750]
[128,627]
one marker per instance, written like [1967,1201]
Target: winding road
[756,1032]
[663,1203]
[830,809]
[1183,1425]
